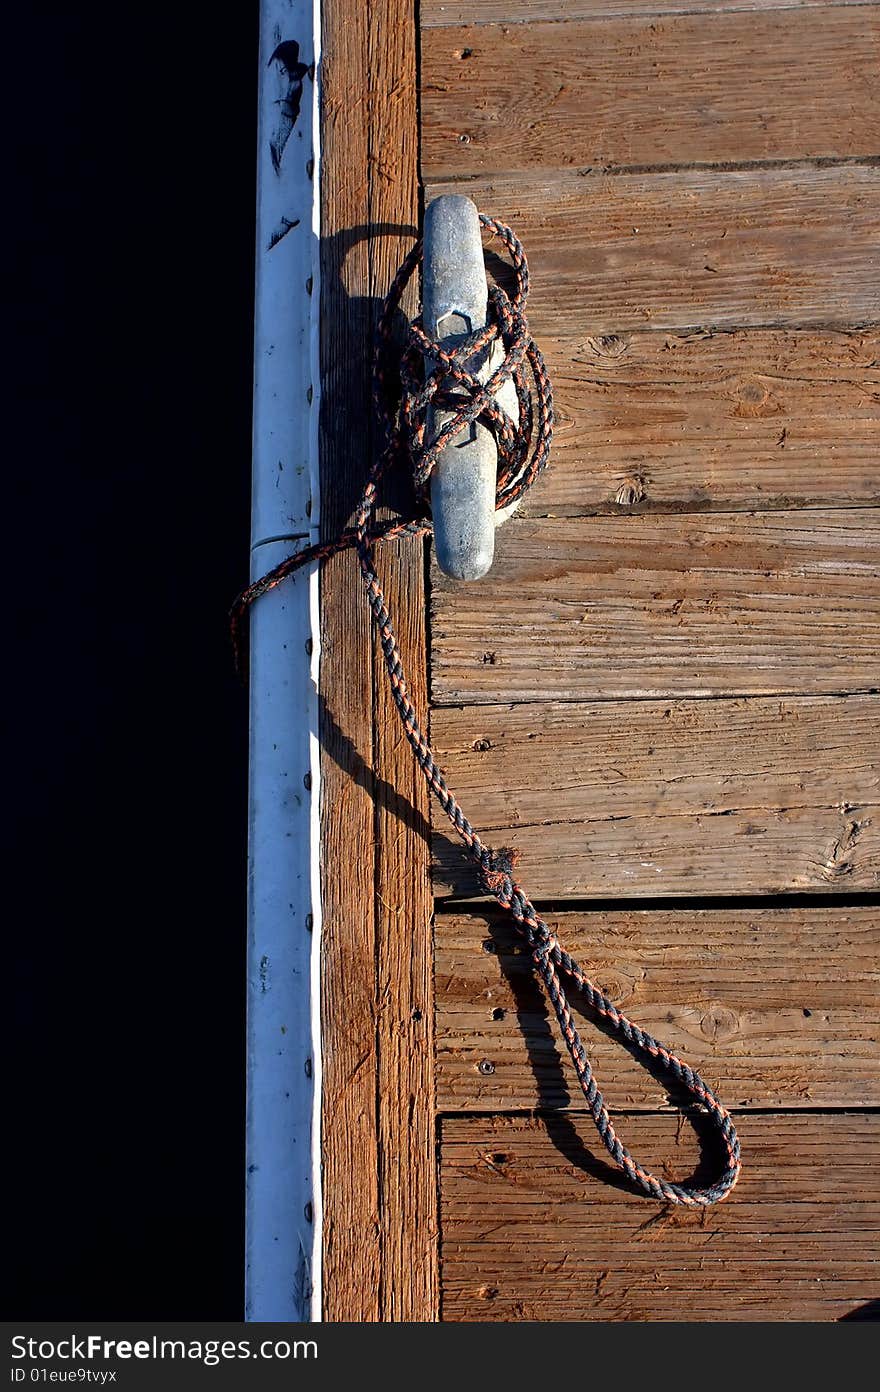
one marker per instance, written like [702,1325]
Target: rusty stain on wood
[380,1251]
[781,1006]
[611,253]
[550,1235]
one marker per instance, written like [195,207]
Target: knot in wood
[719,1023]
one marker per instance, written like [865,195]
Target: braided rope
[523,451]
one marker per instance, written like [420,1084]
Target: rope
[401,399]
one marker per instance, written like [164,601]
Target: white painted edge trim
[315,621]
[283,1211]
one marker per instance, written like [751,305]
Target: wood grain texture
[642,799]
[774,1007]
[672,692]
[709,605]
[410,1289]
[770,418]
[648,91]
[349,1146]
[434,13]
[611,253]
[534,1230]
[380,1249]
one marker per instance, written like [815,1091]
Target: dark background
[133,139]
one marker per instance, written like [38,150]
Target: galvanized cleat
[455,299]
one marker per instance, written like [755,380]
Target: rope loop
[403,391]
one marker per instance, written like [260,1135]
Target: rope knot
[495,872]
[542,942]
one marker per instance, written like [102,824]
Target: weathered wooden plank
[707,605]
[717,421]
[775,1007]
[534,1230]
[610,253]
[668,798]
[349,1141]
[405,1014]
[380,1248]
[700,88]
[433,13]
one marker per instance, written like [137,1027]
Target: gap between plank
[810,899]
[769,695]
[683,1110]
[587,171]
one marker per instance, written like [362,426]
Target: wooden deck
[665,689]
[665,694]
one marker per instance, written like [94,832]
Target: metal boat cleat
[455,299]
